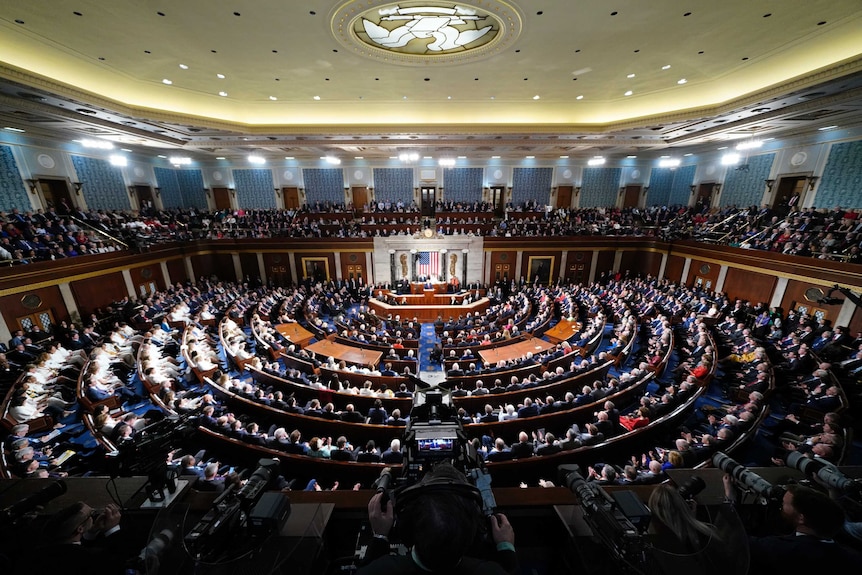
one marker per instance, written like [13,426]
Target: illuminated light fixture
[536,97]
[98,144]
[462,157]
[681,81]
[666,67]
[358,157]
[448,97]
[408,156]
[11,129]
[220,158]
[316,98]
[628,93]
[118,160]
[495,157]
[630,76]
[273,98]
[446,162]
[332,160]
[597,161]
[259,160]
[730,159]
[161,156]
[749,145]
[530,157]
[669,163]
[427,157]
[223,94]
[166,82]
[721,148]
[564,157]
[125,149]
[581,97]
[184,67]
[631,157]
[180,160]
[288,157]
[220,76]
[827,128]
[688,154]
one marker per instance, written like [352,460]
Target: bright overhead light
[536,97]
[446,162]
[628,93]
[166,81]
[827,128]
[11,129]
[427,157]
[223,94]
[273,98]
[630,76]
[219,157]
[730,159]
[666,67]
[118,160]
[597,161]
[184,67]
[161,156]
[581,97]
[180,160]
[462,157]
[332,160]
[315,97]
[749,145]
[358,157]
[495,157]
[408,156]
[98,144]
[125,149]
[288,157]
[259,160]
[220,76]
[631,157]
[669,163]
[564,157]
[721,148]
[681,81]
[688,154]
[530,157]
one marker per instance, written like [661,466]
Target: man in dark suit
[528,409]
[393,455]
[342,451]
[524,447]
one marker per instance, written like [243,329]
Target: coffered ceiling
[481,78]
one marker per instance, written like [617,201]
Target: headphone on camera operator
[439,519]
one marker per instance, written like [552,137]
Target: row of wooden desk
[426,312]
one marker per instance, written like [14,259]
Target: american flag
[429,264]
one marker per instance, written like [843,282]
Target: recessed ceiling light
[219,157]
[597,161]
[536,97]
[118,160]
[666,67]
[427,157]
[393,157]
[628,93]
[730,159]
[448,97]
[220,76]
[669,163]
[721,148]
[184,67]
[162,156]
[315,98]
[125,149]
[403,97]
[630,76]
[288,157]
[180,160]
[530,157]
[681,81]
[273,98]
[564,157]
[258,160]
[495,157]
[358,157]
[98,144]
[166,81]
[222,94]
[688,154]
[581,97]
[827,128]
[462,157]
[11,129]
[631,157]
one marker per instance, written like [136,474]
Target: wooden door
[704,195]
[291,198]
[429,199]
[498,199]
[359,197]
[632,196]
[222,198]
[55,193]
[789,187]
[145,198]
[564,197]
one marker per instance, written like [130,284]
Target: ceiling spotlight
[581,97]
[98,144]
[827,128]
[11,129]
[666,67]
[630,76]
[749,145]
[536,97]
[495,157]
[669,163]
[730,159]
[408,156]
[446,162]
[530,157]
[223,94]
[358,157]
[180,160]
[220,76]
[117,160]
[288,157]
[681,81]
[273,98]
[184,67]
[631,157]
[332,160]
[315,97]
[258,160]
[628,93]
[597,161]
[564,157]
[220,157]
[166,82]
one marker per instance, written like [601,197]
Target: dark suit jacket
[521,450]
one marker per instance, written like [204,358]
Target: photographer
[815,519]
[439,525]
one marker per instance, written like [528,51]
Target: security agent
[439,520]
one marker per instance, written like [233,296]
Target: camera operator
[439,525]
[815,519]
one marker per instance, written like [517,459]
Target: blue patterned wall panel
[745,187]
[254,188]
[324,185]
[192,188]
[600,187]
[393,185]
[463,185]
[169,187]
[13,193]
[841,183]
[103,185]
[532,184]
[680,189]
[660,185]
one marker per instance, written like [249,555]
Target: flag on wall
[429,264]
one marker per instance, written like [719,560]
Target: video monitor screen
[436,444]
